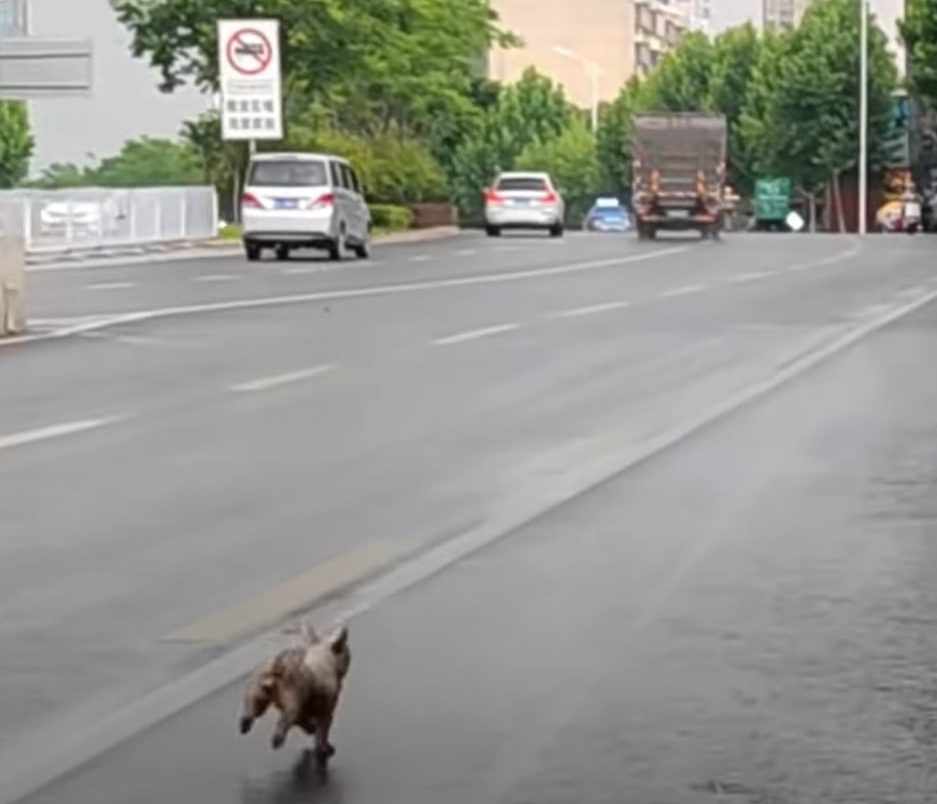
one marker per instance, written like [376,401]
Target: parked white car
[303,200]
[524,201]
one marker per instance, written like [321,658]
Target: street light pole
[863,114]
[593,71]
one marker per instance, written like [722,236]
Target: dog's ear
[338,639]
[309,633]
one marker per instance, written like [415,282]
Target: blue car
[607,215]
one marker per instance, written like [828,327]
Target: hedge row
[389,216]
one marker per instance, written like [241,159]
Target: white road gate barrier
[12,270]
[88,219]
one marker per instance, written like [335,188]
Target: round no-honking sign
[249,51]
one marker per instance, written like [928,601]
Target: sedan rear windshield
[288,174]
[522,183]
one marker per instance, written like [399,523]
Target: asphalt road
[744,616]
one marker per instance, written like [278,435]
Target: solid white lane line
[684,290]
[52,431]
[111,285]
[750,277]
[419,258]
[591,309]
[275,381]
[304,269]
[466,252]
[373,291]
[474,334]
[214,278]
[323,268]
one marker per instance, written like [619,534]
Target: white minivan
[303,200]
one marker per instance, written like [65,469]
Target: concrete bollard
[12,284]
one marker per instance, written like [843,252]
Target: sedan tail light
[550,197]
[492,196]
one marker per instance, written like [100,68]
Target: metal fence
[91,219]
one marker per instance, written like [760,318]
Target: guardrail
[89,219]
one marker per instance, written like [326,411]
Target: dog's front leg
[289,717]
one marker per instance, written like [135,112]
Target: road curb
[192,250]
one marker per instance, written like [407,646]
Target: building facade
[782,14]
[615,38]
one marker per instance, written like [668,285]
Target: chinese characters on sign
[249,67]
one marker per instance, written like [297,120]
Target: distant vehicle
[772,204]
[524,201]
[297,200]
[679,172]
[607,214]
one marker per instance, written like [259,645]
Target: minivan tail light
[492,196]
[323,201]
[249,200]
[549,197]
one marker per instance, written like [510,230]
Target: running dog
[304,684]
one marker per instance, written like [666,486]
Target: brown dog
[304,684]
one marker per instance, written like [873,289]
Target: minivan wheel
[337,247]
[362,252]
[252,252]
[492,231]
[283,253]
[556,230]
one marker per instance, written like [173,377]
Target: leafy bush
[394,169]
[388,216]
[571,161]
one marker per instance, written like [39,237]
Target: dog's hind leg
[324,749]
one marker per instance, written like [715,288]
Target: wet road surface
[746,617]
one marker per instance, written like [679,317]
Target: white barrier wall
[91,218]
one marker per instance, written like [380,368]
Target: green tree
[736,54]
[801,116]
[375,64]
[614,137]
[682,81]
[919,33]
[532,110]
[570,159]
[149,163]
[221,163]
[62,175]
[16,143]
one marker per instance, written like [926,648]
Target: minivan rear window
[522,183]
[298,173]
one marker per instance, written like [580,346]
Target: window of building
[12,17]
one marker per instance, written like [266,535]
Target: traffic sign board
[249,75]
[249,51]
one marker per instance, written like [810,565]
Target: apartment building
[697,14]
[12,17]
[782,14]
[611,39]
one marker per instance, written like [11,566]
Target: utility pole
[863,115]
